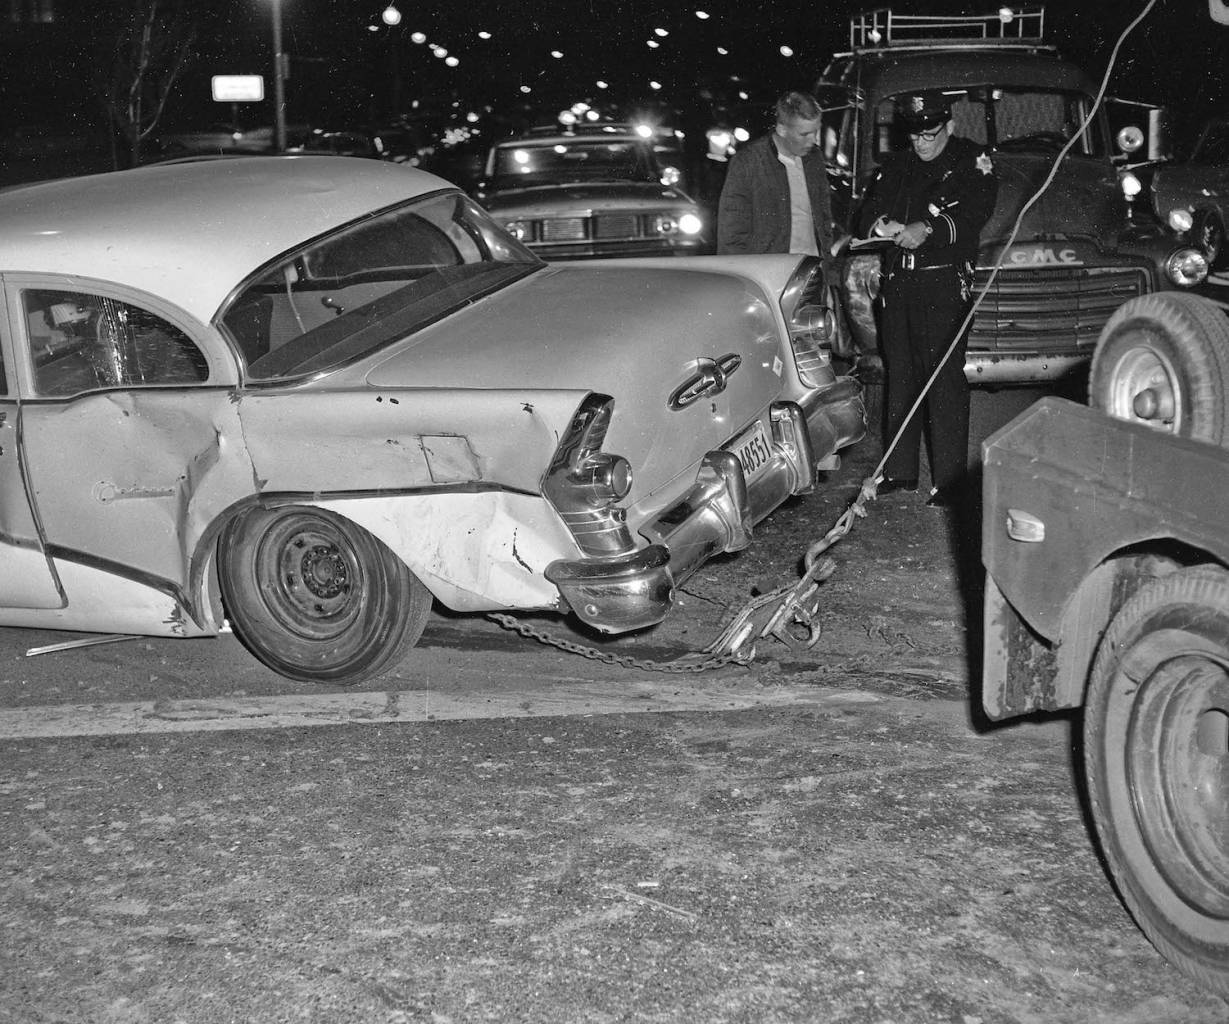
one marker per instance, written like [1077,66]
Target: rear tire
[1156,751]
[315,597]
[1163,360]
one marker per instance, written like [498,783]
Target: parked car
[226,400]
[219,137]
[1193,195]
[230,140]
[335,142]
[597,190]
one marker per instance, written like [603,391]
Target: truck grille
[1049,309]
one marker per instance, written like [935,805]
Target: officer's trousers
[921,312]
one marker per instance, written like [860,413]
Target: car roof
[189,233]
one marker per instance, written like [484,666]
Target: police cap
[919,111]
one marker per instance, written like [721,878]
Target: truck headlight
[1180,220]
[1187,267]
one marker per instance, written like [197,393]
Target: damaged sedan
[306,397]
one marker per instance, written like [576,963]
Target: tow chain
[789,614]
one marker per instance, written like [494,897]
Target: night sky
[348,68]
[1176,57]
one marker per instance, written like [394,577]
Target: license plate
[753,451]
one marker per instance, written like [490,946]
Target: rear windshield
[369,284]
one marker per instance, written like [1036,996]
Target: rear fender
[399,440]
[473,551]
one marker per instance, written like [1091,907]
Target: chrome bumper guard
[619,594]
[716,515]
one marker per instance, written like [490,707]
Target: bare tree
[152,45]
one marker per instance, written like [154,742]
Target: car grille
[1050,309]
[578,229]
[568,229]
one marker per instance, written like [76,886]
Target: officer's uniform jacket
[953,194]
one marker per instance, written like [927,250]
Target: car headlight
[1181,220]
[521,230]
[690,224]
[1187,267]
[678,224]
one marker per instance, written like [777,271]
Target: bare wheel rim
[1177,763]
[310,577]
[1147,388]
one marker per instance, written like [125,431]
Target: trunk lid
[621,331]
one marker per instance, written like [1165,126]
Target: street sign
[238,88]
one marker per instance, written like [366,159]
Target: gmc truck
[1106,544]
[1082,250]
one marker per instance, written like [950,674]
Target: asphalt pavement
[504,831]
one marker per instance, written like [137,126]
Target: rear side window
[82,342]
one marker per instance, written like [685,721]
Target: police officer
[931,201]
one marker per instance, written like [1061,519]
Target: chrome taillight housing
[584,483]
[811,320]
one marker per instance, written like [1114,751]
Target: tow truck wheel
[316,597]
[1156,751]
[1163,360]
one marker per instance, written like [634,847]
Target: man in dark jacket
[931,201]
[776,196]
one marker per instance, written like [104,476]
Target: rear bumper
[716,514]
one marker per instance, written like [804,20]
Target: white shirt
[802,224]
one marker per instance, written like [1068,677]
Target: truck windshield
[1006,119]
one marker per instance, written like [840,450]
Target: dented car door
[130,439]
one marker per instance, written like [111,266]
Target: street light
[390,16]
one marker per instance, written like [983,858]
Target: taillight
[810,318]
[584,483]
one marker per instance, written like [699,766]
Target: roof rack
[880,29]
